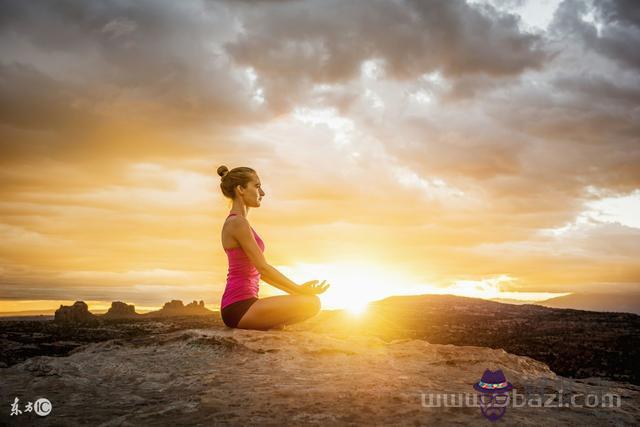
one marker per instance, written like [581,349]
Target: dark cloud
[581,129]
[609,27]
[29,99]
[294,45]
[620,34]
[169,59]
[144,61]
[623,12]
[604,91]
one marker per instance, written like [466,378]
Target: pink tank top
[243,280]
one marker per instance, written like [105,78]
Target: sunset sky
[488,148]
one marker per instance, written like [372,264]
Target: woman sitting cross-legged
[240,306]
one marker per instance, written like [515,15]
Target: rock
[225,376]
[78,313]
[177,308]
[196,307]
[173,305]
[120,310]
[578,344]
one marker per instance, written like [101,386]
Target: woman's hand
[313,288]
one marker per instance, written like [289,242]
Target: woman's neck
[239,208]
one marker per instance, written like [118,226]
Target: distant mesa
[120,310]
[79,312]
[177,308]
[620,303]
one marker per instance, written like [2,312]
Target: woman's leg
[290,321]
[272,312]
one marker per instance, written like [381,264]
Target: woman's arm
[241,230]
[292,289]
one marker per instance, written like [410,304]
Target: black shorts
[232,313]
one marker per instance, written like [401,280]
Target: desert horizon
[615,302]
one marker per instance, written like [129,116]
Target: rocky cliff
[230,377]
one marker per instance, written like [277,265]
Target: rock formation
[120,310]
[177,308]
[78,313]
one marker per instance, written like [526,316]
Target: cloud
[159,62]
[441,138]
[293,45]
[609,27]
[32,100]
[119,27]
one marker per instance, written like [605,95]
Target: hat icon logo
[494,394]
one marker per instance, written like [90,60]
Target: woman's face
[253,194]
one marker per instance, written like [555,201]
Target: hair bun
[223,170]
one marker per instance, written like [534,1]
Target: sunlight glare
[353,285]
[357,307]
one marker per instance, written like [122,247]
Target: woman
[240,306]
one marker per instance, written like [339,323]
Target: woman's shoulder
[235,221]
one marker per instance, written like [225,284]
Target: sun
[357,308]
[353,285]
